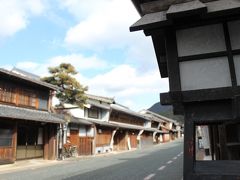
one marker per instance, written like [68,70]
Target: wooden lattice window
[93,112]
[6,135]
[7,94]
[27,98]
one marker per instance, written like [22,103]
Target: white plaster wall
[204,74]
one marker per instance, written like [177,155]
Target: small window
[93,112]
[217,142]
[6,133]
[7,94]
[27,98]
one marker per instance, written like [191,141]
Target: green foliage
[70,90]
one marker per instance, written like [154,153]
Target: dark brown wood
[126,118]
[46,143]
[7,153]
[120,140]
[189,147]
[223,142]
[220,167]
[103,136]
[230,55]
[162,5]
[160,51]
[133,138]
[182,10]
[172,63]
[202,56]
[85,146]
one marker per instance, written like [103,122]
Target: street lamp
[197,45]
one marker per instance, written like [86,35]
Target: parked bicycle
[69,151]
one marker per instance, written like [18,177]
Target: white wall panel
[204,74]
[200,40]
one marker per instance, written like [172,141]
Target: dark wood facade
[79,137]
[120,140]
[24,132]
[146,139]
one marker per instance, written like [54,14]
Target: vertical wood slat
[46,142]
[85,145]
[14,143]
[223,142]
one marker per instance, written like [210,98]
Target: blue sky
[93,36]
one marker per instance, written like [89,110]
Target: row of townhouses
[31,128]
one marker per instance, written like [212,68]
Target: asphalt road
[160,162]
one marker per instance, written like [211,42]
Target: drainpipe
[112,138]
[139,137]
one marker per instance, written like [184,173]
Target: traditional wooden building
[169,129]
[28,129]
[92,120]
[131,131]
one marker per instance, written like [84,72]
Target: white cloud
[80,8]
[125,83]
[79,61]
[106,28]
[14,14]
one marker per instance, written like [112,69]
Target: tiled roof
[159,116]
[20,76]
[80,121]
[125,110]
[101,98]
[159,19]
[97,104]
[13,112]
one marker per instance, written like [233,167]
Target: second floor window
[18,96]
[93,112]
[7,94]
[27,98]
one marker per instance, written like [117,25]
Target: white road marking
[149,176]
[169,162]
[175,158]
[180,154]
[161,168]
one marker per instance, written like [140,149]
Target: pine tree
[70,90]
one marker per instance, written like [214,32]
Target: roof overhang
[13,112]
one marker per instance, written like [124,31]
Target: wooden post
[222,142]
[189,148]
[46,142]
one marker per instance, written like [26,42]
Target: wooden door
[7,142]
[146,139]
[29,141]
[85,146]
[133,140]
[120,142]
[74,137]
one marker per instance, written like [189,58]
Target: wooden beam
[223,142]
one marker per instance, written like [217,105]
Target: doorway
[29,141]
